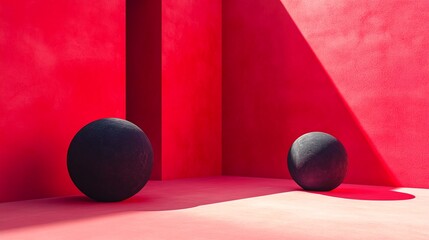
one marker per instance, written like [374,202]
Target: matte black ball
[317,161]
[110,159]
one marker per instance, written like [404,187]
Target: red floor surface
[226,208]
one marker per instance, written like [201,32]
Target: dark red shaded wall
[355,70]
[191,88]
[61,66]
[143,66]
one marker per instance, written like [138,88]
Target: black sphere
[110,159]
[317,161]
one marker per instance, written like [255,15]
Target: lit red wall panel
[62,65]
[191,88]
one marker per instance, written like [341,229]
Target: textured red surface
[191,88]
[61,66]
[376,53]
[143,58]
[354,70]
[174,83]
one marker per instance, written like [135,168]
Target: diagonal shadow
[171,195]
[164,195]
[276,89]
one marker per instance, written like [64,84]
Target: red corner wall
[143,71]
[61,66]
[357,70]
[174,83]
[220,87]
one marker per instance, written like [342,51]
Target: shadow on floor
[156,196]
[364,192]
[170,196]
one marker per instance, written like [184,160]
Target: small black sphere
[110,159]
[317,161]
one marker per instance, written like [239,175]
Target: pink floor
[226,208]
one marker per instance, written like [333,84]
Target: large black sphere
[317,161]
[110,159]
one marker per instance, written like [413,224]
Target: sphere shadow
[370,193]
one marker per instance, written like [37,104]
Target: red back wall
[357,70]
[61,66]
[191,88]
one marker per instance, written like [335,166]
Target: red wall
[143,58]
[191,88]
[376,53]
[61,66]
[357,70]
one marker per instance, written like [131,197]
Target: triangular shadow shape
[276,89]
